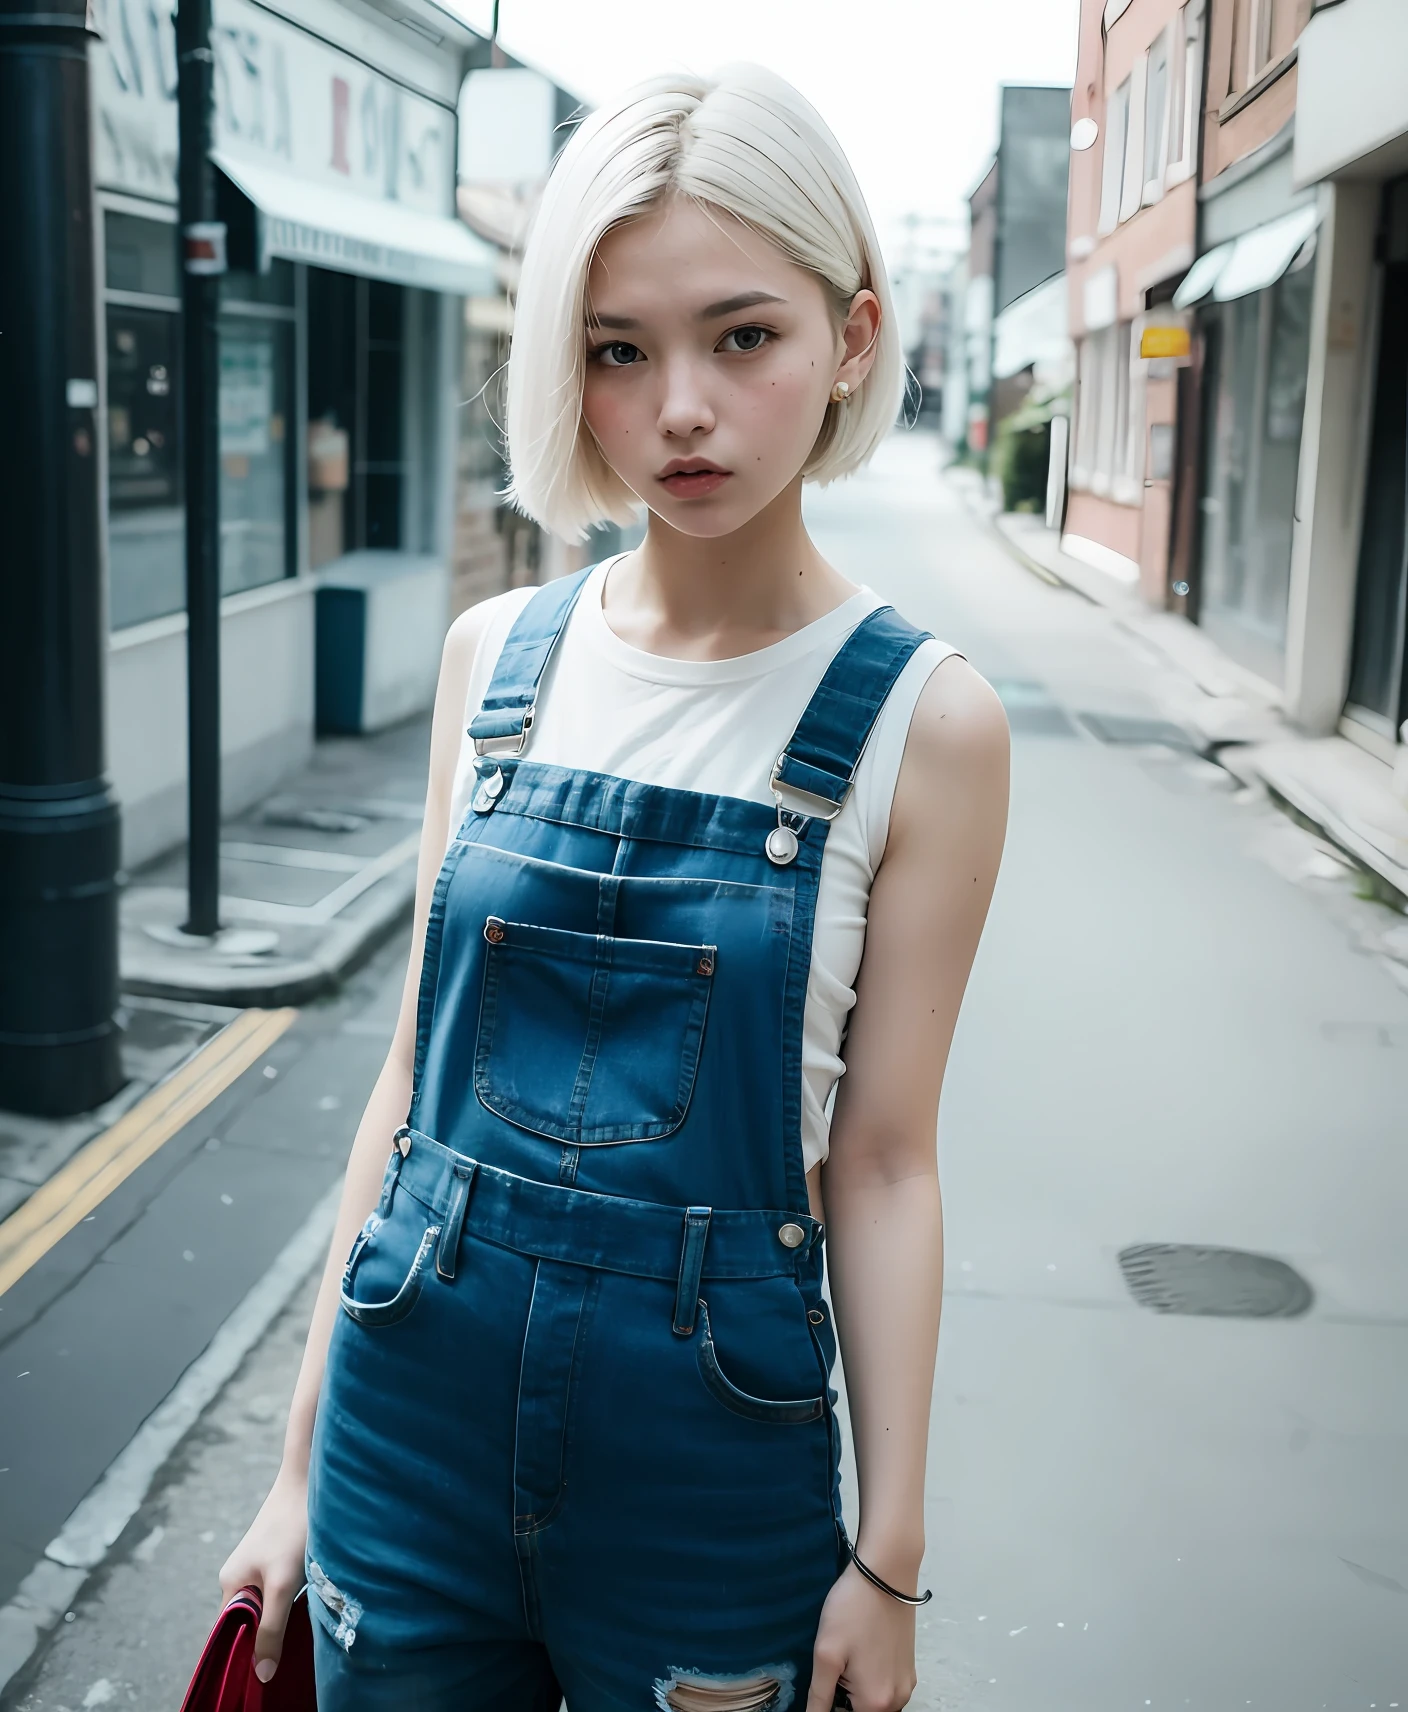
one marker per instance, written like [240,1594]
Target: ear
[859,338]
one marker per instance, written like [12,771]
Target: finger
[235,1575]
[826,1674]
[269,1642]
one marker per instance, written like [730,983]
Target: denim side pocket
[779,1412]
[390,1309]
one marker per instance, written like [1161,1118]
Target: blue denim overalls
[576,1434]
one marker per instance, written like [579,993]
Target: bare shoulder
[958,729]
[953,781]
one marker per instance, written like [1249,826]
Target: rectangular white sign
[283,99]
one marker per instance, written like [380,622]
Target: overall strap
[821,757]
[502,724]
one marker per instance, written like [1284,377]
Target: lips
[692,478]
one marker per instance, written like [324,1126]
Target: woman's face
[710,363]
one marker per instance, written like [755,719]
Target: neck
[711,598]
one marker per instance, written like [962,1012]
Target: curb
[347,946]
[50,1588]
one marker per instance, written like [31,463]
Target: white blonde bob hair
[743,142]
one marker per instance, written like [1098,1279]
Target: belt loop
[696,1234]
[390,1176]
[448,1248]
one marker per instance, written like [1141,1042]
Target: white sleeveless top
[718,726]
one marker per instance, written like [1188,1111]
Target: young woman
[564,1427]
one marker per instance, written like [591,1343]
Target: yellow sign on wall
[1164,342]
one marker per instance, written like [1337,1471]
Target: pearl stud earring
[840,392]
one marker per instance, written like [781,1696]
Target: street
[1176,1033]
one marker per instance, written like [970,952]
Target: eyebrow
[711,311]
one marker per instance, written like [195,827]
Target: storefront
[1351,144]
[339,339]
[1378,676]
[1254,287]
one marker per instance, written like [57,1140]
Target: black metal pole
[203,244]
[59,1045]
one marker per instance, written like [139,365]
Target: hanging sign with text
[284,99]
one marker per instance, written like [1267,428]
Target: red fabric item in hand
[225,1681]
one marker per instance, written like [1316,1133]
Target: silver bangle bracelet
[884,1586]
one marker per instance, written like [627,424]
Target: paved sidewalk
[324,871]
[311,881]
[158,1037]
[1352,797]
[136,1629]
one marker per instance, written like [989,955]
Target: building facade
[1251,294]
[335,143]
[1132,222]
[1016,250]
[1349,598]
[1247,194]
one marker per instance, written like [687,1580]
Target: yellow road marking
[109,1159]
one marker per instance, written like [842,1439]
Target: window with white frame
[1156,115]
[1109,426]
[1259,38]
[1183,154]
[1112,167]
[1132,192]
[1088,356]
[1151,121]
[1127,481]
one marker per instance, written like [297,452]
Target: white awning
[1202,276]
[1261,256]
[1250,263]
[337,229]
[1033,330]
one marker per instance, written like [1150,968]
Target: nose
[684,404]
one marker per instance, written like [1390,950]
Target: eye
[744,339]
[618,354]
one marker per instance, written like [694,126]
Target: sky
[910,87]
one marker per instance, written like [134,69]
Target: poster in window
[246,395]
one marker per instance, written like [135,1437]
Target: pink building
[1132,231]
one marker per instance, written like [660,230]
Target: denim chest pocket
[586,1038]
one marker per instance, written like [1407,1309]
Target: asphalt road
[1174,1034]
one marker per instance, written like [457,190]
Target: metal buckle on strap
[510,745]
[824,808]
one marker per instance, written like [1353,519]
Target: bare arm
[880,1183]
[271,1554]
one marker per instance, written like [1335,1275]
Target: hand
[864,1644]
[270,1557]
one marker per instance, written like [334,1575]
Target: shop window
[358,464]
[146,499]
[1378,679]
[1109,415]
[255,366]
[147,517]
[273,289]
[1258,360]
[140,255]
